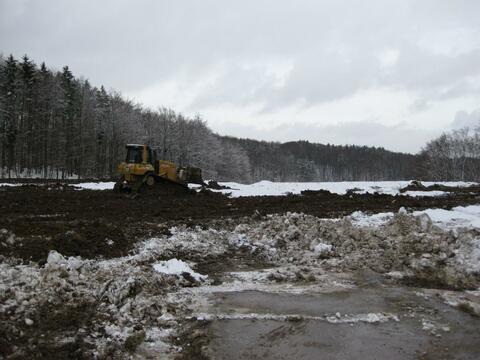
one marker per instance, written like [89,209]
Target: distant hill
[305,161]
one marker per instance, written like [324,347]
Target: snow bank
[460,216]
[123,299]
[457,217]
[387,243]
[302,246]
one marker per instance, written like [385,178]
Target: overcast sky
[374,72]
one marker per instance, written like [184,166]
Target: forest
[56,125]
[304,161]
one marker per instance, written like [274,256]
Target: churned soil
[38,218]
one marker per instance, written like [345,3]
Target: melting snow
[468,216]
[269,188]
[374,318]
[361,219]
[177,267]
[434,193]
[95,185]
[361,187]
[460,216]
[11,184]
[322,248]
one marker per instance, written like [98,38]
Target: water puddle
[371,322]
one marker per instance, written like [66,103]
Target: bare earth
[77,276]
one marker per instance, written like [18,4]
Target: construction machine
[141,168]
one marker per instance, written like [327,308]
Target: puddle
[261,325]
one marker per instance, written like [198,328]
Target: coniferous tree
[9,111]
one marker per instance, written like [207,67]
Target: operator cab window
[134,155]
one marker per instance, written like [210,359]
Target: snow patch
[434,193]
[322,249]
[398,275]
[460,216]
[11,184]
[362,219]
[373,318]
[177,267]
[95,186]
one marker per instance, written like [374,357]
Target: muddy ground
[87,223]
[313,335]
[268,294]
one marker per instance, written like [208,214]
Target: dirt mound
[418,186]
[212,184]
[316,193]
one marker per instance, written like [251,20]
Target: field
[269,270]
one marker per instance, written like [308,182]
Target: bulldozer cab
[139,154]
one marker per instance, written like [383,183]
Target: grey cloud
[419,105]
[133,44]
[466,119]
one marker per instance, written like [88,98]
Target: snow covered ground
[269,188]
[460,216]
[283,188]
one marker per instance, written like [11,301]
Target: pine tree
[68,122]
[26,127]
[44,109]
[103,114]
[9,113]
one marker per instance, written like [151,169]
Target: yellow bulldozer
[141,168]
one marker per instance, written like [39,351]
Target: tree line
[55,125]
[453,156]
[305,161]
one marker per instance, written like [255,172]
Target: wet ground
[261,325]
